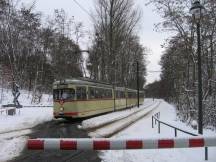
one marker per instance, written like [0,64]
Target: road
[57,129]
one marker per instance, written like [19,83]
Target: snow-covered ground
[19,126]
[26,117]
[13,129]
[143,129]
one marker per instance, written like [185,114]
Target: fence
[155,119]
[12,109]
[9,109]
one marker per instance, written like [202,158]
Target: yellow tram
[81,97]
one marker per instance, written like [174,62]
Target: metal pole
[1,87]
[114,95]
[206,153]
[200,112]
[137,83]
[152,122]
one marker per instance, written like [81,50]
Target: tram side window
[129,95]
[135,94]
[91,93]
[108,93]
[81,93]
[116,94]
[99,93]
[132,95]
[141,95]
[103,93]
[122,94]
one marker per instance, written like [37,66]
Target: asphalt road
[57,129]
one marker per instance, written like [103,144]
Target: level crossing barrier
[119,144]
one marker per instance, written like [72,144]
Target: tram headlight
[61,109]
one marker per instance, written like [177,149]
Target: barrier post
[206,153]
[175,132]
[152,122]
[159,127]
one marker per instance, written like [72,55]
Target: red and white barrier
[119,144]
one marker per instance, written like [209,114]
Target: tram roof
[87,81]
[82,81]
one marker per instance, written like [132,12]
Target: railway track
[87,124]
[68,129]
[109,128]
[15,133]
[57,129]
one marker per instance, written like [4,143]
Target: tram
[81,97]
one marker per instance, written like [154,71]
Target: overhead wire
[81,7]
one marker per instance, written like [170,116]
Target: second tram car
[77,98]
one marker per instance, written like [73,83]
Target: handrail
[157,115]
[156,118]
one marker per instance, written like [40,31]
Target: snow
[142,129]
[27,118]
[13,129]
[12,147]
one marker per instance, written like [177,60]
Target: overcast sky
[148,36]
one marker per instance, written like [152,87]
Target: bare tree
[111,54]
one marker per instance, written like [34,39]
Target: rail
[155,119]
[108,129]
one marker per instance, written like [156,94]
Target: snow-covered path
[142,129]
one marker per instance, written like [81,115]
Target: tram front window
[68,94]
[65,94]
[56,94]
